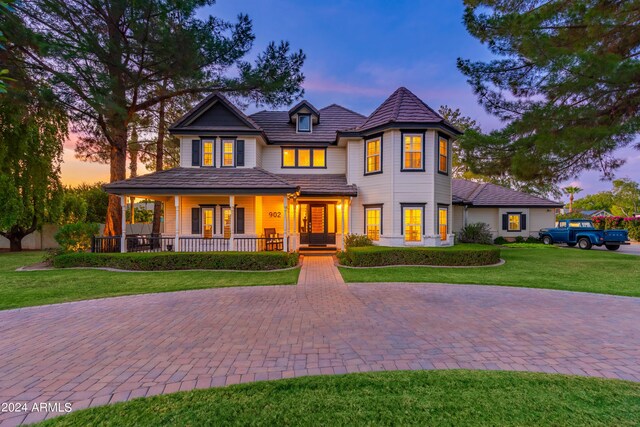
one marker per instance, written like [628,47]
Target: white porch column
[176,243]
[285,246]
[123,234]
[232,221]
[296,221]
[344,208]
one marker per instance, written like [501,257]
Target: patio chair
[273,240]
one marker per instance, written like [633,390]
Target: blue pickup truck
[581,232]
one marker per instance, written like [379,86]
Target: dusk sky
[359,52]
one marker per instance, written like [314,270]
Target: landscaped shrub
[179,260]
[633,225]
[520,239]
[357,240]
[475,233]
[532,239]
[499,240]
[458,255]
[76,237]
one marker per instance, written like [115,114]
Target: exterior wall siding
[250,151]
[537,218]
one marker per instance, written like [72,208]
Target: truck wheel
[547,240]
[612,247]
[571,245]
[584,243]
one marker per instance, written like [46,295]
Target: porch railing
[157,243]
[201,244]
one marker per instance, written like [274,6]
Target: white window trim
[213,153]
[404,225]
[233,152]
[310,123]
[366,221]
[404,151]
[367,155]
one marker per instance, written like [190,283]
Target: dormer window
[304,122]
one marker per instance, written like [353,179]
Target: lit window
[514,222]
[207,223]
[443,155]
[319,158]
[304,123]
[288,157]
[373,156]
[227,152]
[443,216]
[207,153]
[413,152]
[412,224]
[373,223]
[226,222]
[304,158]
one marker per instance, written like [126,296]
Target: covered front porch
[252,223]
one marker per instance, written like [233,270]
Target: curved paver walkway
[94,352]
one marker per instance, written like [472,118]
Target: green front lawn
[23,289]
[421,398]
[533,267]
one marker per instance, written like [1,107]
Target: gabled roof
[278,128]
[403,107]
[304,104]
[484,194]
[214,113]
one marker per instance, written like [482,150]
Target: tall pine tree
[107,58]
[566,81]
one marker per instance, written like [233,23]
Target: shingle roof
[487,194]
[322,184]
[204,180]
[403,106]
[228,180]
[334,118]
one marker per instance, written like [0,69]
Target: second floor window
[227,152]
[443,155]
[373,151]
[304,157]
[412,153]
[207,153]
[304,122]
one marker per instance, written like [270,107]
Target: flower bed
[179,260]
[458,255]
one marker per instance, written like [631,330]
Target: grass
[23,289]
[533,267]
[434,398]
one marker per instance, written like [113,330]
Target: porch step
[317,250]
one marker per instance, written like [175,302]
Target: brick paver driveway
[96,352]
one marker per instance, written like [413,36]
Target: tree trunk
[157,207]
[15,242]
[118,169]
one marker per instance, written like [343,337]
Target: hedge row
[458,255]
[179,260]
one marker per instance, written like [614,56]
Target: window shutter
[195,152]
[239,152]
[195,221]
[239,221]
[523,221]
[505,221]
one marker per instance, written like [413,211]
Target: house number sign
[275,214]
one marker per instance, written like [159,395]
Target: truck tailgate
[616,236]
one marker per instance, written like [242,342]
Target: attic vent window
[304,122]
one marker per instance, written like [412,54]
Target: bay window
[443,222]
[443,155]
[413,151]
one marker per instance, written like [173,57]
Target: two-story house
[304,178]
